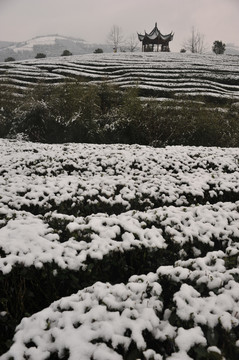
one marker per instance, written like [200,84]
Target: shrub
[8,105]
[187,124]
[40,56]
[98,51]
[83,112]
[43,114]
[31,120]
[218,47]
[109,96]
[83,125]
[10,58]
[66,53]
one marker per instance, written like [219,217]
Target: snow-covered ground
[161,73]
[175,208]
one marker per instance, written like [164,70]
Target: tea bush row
[104,113]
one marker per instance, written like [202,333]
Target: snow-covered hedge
[81,179]
[193,314]
[118,252]
[158,73]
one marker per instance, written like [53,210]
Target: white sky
[92,20]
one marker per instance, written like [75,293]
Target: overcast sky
[92,20]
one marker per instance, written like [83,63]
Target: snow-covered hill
[232,49]
[158,74]
[51,45]
[6,44]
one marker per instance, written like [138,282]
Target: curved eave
[141,37]
[155,36]
[159,37]
[168,37]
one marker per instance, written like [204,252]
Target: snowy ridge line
[192,82]
[223,70]
[30,75]
[172,84]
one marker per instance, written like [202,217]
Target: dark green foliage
[98,51]
[66,53]
[189,124]
[40,56]
[218,47]
[5,124]
[83,112]
[10,58]
[109,97]
[35,121]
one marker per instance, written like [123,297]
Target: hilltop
[50,45]
[53,45]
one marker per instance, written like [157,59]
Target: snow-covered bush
[118,252]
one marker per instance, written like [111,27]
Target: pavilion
[151,41]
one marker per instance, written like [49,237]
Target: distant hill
[5,44]
[232,49]
[51,45]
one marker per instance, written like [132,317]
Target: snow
[169,202]
[37,41]
[97,322]
[189,74]
[186,339]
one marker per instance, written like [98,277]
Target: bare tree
[115,37]
[132,43]
[195,43]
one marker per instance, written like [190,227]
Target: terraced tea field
[113,252]
[158,74]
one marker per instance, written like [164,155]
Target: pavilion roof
[155,34]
